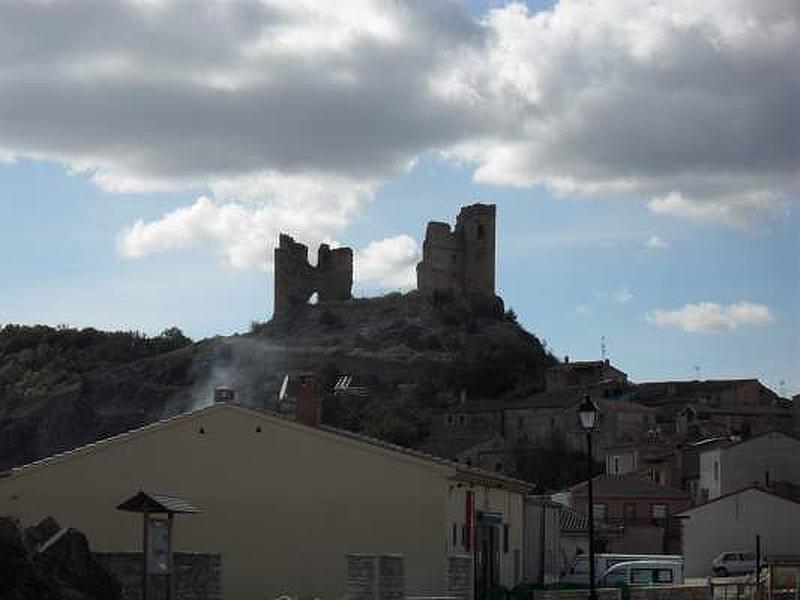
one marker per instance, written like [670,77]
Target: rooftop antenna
[782,388]
[603,347]
[697,372]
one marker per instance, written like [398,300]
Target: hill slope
[60,388]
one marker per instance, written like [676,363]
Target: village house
[283,501]
[633,515]
[728,465]
[731,522]
[583,373]
[489,433]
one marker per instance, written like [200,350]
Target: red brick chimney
[308,397]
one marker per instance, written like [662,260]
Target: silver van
[644,572]
[579,573]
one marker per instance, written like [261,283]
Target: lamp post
[587,414]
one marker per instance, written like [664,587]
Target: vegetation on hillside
[61,387]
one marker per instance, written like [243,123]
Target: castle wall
[296,280]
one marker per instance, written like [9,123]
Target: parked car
[644,572]
[579,573]
[733,563]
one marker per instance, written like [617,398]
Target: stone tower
[296,280]
[460,262]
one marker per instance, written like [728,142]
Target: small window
[520,423]
[505,538]
[599,511]
[481,232]
[641,576]
[716,470]
[663,576]
[616,465]
[658,512]
[449,419]
[498,467]
[455,534]
[630,512]
[462,420]
[464,535]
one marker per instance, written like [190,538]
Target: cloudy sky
[644,158]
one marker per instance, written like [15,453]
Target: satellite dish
[284,387]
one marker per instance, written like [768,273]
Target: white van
[579,573]
[644,572]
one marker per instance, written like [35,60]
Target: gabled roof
[726,442]
[453,469]
[148,502]
[629,486]
[760,435]
[749,488]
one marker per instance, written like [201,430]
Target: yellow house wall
[282,507]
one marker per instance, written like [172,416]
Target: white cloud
[246,215]
[689,105]
[623,295]
[657,243]
[710,317]
[389,263]
[741,212]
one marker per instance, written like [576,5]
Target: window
[498,467]
[658,512]
[616,465]
[520,423]
[462,420]
[663,576]
[449,419]
[481,232]
[716,470]
[455,534]
[630,512]
[642,576]
[599,511]
[505,538]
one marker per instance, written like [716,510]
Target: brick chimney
[308,397]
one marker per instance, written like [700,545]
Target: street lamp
[588,414]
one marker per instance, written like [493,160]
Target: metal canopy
[145,502]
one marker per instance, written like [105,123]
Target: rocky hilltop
[60,388]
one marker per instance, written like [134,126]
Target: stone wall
[296,280]
[460,578]
[197,576]
[460,262]
[673,592]
[375,577]
[577,594]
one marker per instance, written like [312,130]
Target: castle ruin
[460,262]
[455,262]
[296,280]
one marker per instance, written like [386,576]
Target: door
[487,560]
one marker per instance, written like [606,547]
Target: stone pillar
[460,578]
[375,577]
